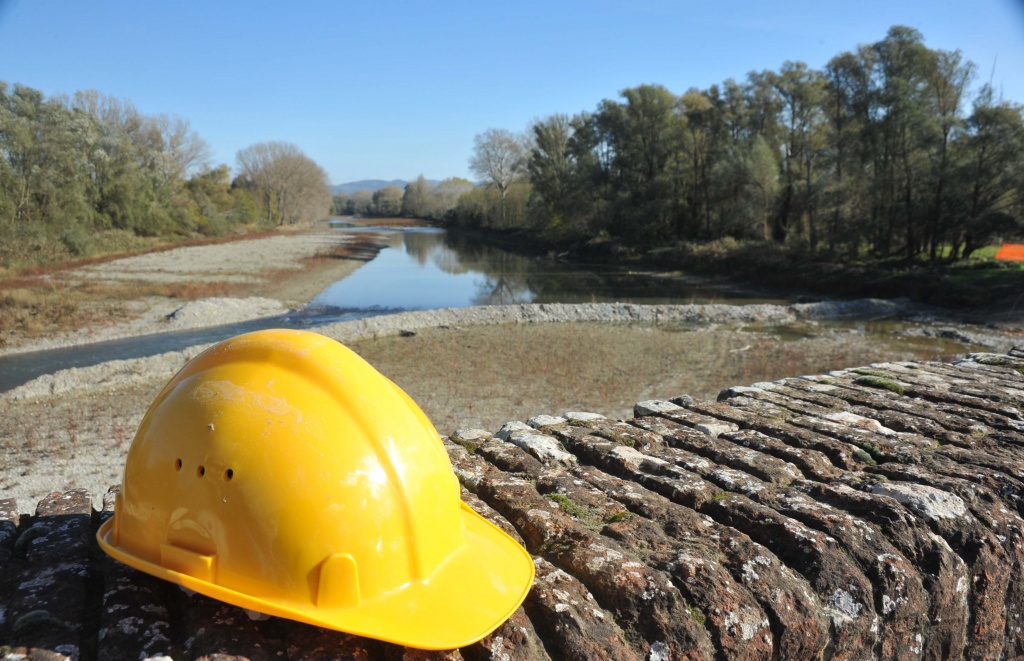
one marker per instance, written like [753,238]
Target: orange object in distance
[279,472]
[1011,252]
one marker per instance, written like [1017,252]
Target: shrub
[77,240]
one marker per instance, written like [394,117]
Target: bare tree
[499,156]
[185,152]
[291,186]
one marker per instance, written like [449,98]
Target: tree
[550,169]
[801,92]
[185,152]
[644,135]
[387,202]
[948,78]
[698,147]
[447,194]
[292,188]
[418,201]
[992,157]
[499,157]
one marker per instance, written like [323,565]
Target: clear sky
[388,89]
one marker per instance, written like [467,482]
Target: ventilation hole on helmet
[201,471]
[228,474]
[177,465]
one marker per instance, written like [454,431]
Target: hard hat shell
[280,472]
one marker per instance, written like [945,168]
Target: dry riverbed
[474,368]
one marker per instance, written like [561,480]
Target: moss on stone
[881,382]
[615,518]
[863,457]
[864,371]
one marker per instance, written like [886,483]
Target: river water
[428,268]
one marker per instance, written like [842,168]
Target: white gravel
[217,311]
[237,261]
[247,261]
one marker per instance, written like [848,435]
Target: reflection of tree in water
[422,245]
[505,283]
[509,278]
[506,276]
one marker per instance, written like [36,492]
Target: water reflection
[426,268]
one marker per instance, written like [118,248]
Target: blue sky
[388,89]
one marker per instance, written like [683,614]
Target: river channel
[427,268]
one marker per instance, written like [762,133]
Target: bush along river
[424,268]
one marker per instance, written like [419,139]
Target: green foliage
[80,174]
[484,207]
[881,382]
[878,153]
[569,506]
[387,202]
[77,240]
[417,202]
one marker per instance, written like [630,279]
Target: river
[427,268]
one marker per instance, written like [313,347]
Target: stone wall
[867,513]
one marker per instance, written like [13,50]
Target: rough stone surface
[872,513]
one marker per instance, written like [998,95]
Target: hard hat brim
[470,594]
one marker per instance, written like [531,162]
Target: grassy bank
[973,283]
[976,283]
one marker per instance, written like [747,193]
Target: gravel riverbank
[469,367]
[263,277]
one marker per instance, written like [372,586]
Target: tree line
[882,152]
[417,199]
[74,168]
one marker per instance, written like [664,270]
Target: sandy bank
[121,373]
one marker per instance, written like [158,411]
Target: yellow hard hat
[280,472]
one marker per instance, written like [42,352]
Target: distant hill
[372,184]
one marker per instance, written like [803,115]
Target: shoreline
[467,367]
